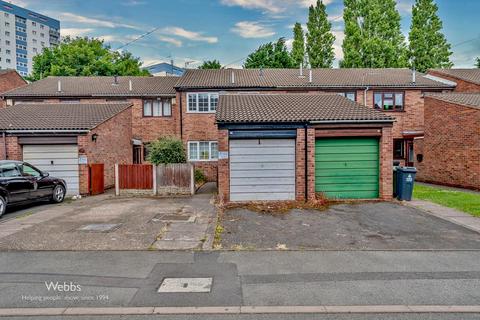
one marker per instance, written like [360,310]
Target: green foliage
[199,176]
[210,64]
[428,46]
[298,46]
[319,37]
[478,62]
[166,150]
[84,57]
[373,38]
[270,55]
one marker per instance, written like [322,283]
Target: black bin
[404,181]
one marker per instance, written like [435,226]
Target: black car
[21,183]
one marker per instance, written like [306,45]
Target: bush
[199,176]
[166,150]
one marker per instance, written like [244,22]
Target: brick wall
[14,150]
[386,159]
[9,81]
[199,127]
[462,85]
[311,164]
[451,148]
[113,145]
[223,168]
[300,165]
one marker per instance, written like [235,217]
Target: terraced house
[186,107]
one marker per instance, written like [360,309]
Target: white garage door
[60,161]
[262,169]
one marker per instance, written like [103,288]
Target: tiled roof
[243,108]
[58,116]
[470,75]
[97,87]
[464,99]
[288,78]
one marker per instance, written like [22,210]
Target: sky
[191,31]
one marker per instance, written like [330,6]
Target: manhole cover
[173,218]
[100,227]
[186,285]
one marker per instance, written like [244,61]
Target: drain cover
[173,218]
[100,227]
[185,285]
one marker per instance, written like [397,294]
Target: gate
[97,178]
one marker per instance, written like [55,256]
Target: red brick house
[326,145]
[466,80]
[9,80]
[397,92]
[64,138]
[449,153]
[154,112]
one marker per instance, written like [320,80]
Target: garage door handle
[51,162]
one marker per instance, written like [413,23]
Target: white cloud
[132,3]
[272,6]
[175,42]
[190,35]
[337,45]
[289,44]
[252,29]
[75,32]
[71,17]
[405,6]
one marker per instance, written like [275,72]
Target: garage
[262,169]
[60,161]
[347,168]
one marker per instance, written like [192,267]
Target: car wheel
[3,206]
[58,194]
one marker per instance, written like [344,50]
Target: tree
[210,64]
[478,62]
[84,57]
[166,150]
[428,46]
[298,46]
[270,55]
[319,37]
[373,38]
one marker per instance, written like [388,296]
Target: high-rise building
[24,34]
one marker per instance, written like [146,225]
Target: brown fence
[135,176]
[175,178]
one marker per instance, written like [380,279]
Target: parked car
[22,183]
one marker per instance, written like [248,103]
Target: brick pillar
[223,168]
[386,162]
[14,150]
[83,168]
[311,164]
[300,166]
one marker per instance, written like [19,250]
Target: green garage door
[347,168]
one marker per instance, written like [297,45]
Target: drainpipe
[5,145]
[181,116]
[306,163]
[365,95]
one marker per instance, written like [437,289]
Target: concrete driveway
[382,226]
[106,222]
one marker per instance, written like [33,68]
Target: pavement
[246,285]
[361,226]
[106,222]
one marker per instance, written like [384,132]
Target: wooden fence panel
[135,176]
[174,178]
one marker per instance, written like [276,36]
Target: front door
[410,156]
[137,154]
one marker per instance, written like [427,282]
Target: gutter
[353,121]
[46,131]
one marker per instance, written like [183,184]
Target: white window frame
[210,94]
[197,143]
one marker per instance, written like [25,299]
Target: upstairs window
[388,101]
[348,95]
[157,108]
[203,102]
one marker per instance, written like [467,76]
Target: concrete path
[449,214]
[260,283]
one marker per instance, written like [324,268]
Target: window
[398,149]
[388,101]
[8,51]
[8,60]
[7,33]
[202,102]
[34,23]
[28,171]
[34,32]
[7,24]
[42,26]
[9,170]
[42,35]
[348,95]
[157,108]
[202,150]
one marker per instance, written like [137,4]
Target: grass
[463,201]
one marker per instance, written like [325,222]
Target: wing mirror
[45,174]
